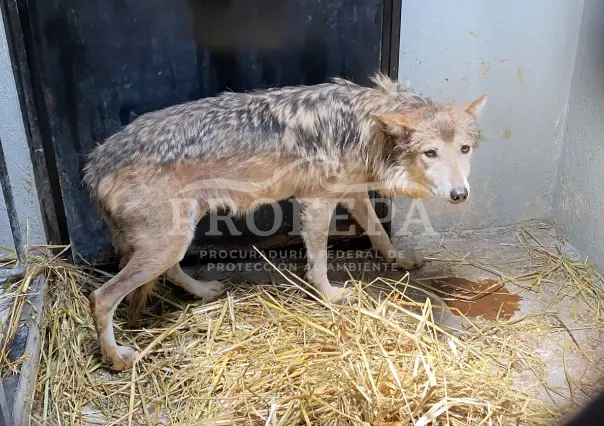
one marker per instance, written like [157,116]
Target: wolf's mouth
[452,201]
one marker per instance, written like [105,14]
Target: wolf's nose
[459,194]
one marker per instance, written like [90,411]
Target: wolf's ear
[477,105]
[397,124]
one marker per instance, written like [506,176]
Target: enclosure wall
[522,52]
[579,192]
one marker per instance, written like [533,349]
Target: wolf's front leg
[316,217]
[363,212]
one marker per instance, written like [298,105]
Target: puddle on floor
[482,298]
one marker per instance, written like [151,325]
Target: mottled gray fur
[323,120]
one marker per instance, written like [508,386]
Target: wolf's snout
[459,195]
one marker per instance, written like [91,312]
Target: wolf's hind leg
[146,264]
[152,240]
[197,288]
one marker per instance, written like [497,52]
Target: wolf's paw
[410,262]
[120,359]
[336,294]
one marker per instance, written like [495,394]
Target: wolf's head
[433,145]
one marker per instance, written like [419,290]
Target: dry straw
[277,355]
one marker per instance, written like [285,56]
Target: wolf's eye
[430,153]
[465,149]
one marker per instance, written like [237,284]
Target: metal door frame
[40,147]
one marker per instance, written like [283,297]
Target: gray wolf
[321,144]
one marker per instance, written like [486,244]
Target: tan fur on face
[444,130]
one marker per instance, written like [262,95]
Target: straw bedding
[277,355]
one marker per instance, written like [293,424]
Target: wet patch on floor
[488,299]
